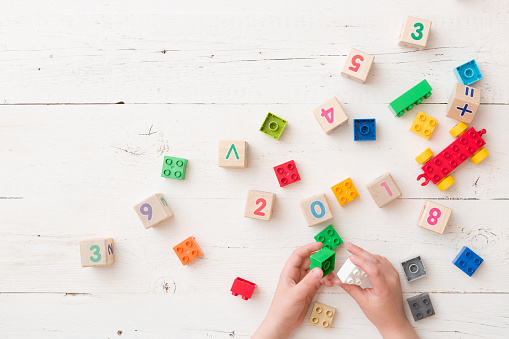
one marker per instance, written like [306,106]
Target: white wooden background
[73,162]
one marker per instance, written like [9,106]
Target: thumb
[356,292]
[311,282]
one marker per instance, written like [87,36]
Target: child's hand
[382,304]
[296,288]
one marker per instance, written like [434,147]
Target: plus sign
[464,109]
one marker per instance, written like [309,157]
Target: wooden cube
[322,315]
[316,209]
[463,103]
[415,33]
[97,252]
[259,205]
[357,65]
[330,115]
[383,190]
[153,210]
[434,217]
[232,154]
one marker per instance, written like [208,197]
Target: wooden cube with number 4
[434,217]
[414,33]
[153,210]
[330,115]
[97,252]
[259,205]
[383,190]
[357,65]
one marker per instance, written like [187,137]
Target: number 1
[356,63]
[384,184]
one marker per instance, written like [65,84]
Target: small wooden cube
[97,252]
[322,315]
[415,33]
[463,103]
[434,217]
[153,210]
[187,251]
[232,154]
[330,115]
[259,205]
[316,209]
[357,65]
[383,190]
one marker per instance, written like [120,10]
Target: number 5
[356,63]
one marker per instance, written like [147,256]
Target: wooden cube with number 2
[357,65]
[414,33]
[259,205]
[383,190]
[330,115]
[153,210]
[434,217]
[97,252]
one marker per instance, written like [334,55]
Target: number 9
[146,209]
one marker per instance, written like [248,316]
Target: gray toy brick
[414,269]
[421,306]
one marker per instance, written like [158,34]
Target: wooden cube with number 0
[434,217]
[383,190]
[153,210]
[259,205]
[414,33]
[357,65]
[97,252]
[316,209]
[330,115]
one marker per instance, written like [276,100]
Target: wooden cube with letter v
[383,190]
[357,65]
[330,115]
[97,252]
[434,217]
[153,210]
[259,205]
[232,154]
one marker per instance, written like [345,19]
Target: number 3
[263,203]
[97,253]
[420,27]
[356,63]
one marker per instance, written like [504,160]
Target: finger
[373,271]
[356,292]
[361,252]
[308,286]
[328,280]
[301,254]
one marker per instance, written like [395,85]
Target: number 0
[322,209]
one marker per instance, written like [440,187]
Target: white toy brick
[383,190]
[316,209]
[434,217]
[330,115]
[351,274]
[153,210]
[463,103]
[415,33]
[357,65]
[259,205]
[97,252]
[232,154]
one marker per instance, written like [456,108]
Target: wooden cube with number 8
[259,205]
[357,65]
[330,115]
[153,210]
[97,252]
[434,217]
[414,33]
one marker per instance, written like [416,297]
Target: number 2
[434,215]
[384,185]
[355,63]
[325,114]
[419,27]
[263,203]
[146,209]
[97,253]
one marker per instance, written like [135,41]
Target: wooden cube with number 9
[414,33]
[434,217]
[357,65]
[330,115]
[153,210]
[97,252]
[259,205]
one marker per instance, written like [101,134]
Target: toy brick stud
[345,191]
[415,33]
[232,154]
[383,190]
[414,269]
[330,115]
[467,261]
[243,288]
[322,315]
[351,274]
[174,168]
[357,65]
[468,73]
[364,129]
[424,125]
[463,103]
[325,259]
[407,101]
[421,306]
[287,173]
[153,210]
[434,217]
[273,126]
[329,238]
[316,209]
[187,250]
[259,205]
[97,252]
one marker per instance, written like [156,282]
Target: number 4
[329,118]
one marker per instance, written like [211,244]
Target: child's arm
[382,304]
[296,288]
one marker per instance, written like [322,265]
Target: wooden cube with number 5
[153,210]
[97,252]
[330,115]
[383,190]
[357,65]
[259,205]
[434,217]
[414,33]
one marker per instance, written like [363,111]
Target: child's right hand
[382,304]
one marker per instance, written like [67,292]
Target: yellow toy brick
[345,191]
[423,125]
[322,315]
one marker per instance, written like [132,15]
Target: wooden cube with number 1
[153,210]
[383,190]
[414,33]
[330,115]
[434,217]
[97,252]
[259,205]
[357,65]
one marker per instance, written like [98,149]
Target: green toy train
[413,96]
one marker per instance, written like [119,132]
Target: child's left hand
[296,288]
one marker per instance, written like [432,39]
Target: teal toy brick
[325,259]
[174,168]
[329,238]
[413,96]
[273,126]
[467,261]
[468,73]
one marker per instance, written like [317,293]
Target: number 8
[434,215]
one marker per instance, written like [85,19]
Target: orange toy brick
[345,191]
[187,251]
[423,125]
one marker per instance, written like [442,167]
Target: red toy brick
[287,173]
[243,287]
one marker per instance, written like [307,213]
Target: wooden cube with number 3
[383,190]
[153,210]
[97,252]
[434,217]
[414,33]
[357,65]
[259,205]
[330,115]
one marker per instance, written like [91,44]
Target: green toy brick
[273,126]
[413,96]
[325,259]
[329,238]
[174,168]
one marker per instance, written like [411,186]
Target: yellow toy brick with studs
[345,191]
[424,125]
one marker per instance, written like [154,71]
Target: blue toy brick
[468,73]
[364,129]
[329,238]
[174,168]
[467,261]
